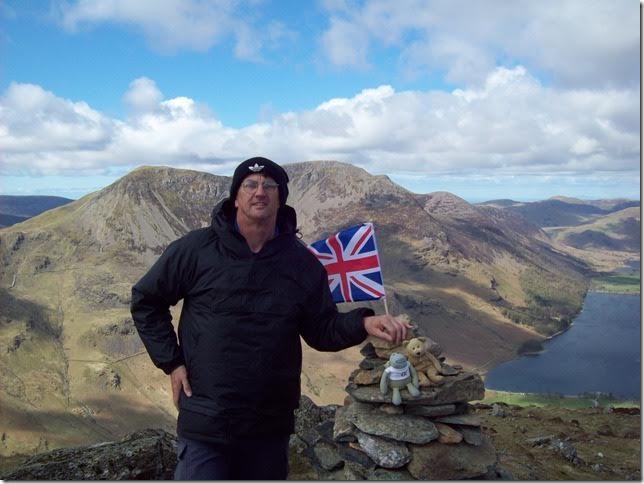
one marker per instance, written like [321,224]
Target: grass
[617,283]
[554,400]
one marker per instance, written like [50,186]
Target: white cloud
[173,25]
[40,132]
[512,125]
[574,42]
[346,44]
[143,95]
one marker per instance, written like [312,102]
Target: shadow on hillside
[451,309]
[37,317]
[95,420]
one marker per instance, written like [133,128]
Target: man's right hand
[179,381]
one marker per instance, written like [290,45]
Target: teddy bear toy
[422,359]
[399,374]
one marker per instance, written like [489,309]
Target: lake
[599,353]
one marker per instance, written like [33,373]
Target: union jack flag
[351,260]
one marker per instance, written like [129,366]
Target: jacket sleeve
[326,329]
[161,287]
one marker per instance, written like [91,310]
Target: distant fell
[562,211]
[9,220]
[617,231]
[29,205]
[17,208]
[608,204]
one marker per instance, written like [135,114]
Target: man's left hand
[387,327]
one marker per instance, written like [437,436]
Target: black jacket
[240,326]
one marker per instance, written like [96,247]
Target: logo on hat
[255,168]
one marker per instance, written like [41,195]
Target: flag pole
[375,243]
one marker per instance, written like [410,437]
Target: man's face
[257,198]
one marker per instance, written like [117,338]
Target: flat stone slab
[432,410]
[380,474]
[464,387]
[367,377]
[448,370]
[402,428]
[463,419]
[471,435]
[327,456]
[447,434]
[342,427]
[372,363]
[391,409]
[385,453]
[436,461]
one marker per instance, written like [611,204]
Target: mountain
[607,204]
[9,220]
[617,231]
[562,211]
[15,209]
[74,370]
[28,206]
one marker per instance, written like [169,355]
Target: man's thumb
[186,387]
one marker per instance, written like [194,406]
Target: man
[250,289]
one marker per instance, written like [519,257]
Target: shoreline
[621,293]
[546,339]
[545,398]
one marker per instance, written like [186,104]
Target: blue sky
[485,99]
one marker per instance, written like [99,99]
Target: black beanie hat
[265,167]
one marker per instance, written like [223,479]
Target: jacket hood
[223,217]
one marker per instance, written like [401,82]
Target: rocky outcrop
[145,455]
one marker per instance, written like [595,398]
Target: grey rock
[325,429]
[431,410]
[310,436]
[464,419]
[372,363]
[472,436]
[366,377]
[566,450]
[144,455]
[380,474]
[540,441]
[354,472]
[403,428]
[359,457]
[328,456]
[327,412]
[391,409]
[342,427]
[499,410]
[448,370]
[460,388]
[385,453]
[448,435]
[368,351]
[436,461]
[307,415]
[358,407]
[297,444]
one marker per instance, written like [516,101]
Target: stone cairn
[428,437]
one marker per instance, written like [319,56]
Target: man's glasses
[251,186]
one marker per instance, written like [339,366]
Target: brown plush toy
[418,354]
